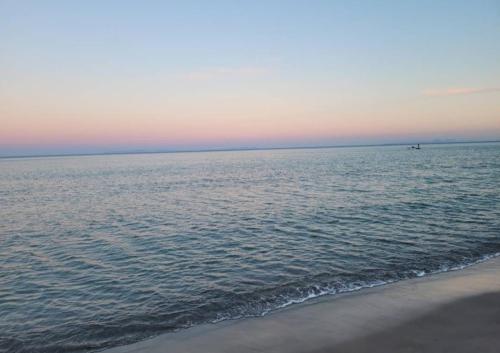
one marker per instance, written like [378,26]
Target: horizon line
[242,149]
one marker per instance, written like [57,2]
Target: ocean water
[99,251]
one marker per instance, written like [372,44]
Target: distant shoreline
[243,149]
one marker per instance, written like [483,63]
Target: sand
[471,324]
[457,311]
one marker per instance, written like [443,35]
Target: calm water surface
[98,251]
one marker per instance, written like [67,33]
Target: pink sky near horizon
[219,118]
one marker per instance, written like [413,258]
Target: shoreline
[353,321]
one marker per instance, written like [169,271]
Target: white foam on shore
[301,330]
[317,291]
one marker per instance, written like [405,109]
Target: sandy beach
[456,311]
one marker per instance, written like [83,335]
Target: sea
[104,250]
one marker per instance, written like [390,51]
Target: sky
[113,76]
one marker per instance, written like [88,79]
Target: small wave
[318,291]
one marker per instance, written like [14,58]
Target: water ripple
[104,250]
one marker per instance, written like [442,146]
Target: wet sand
[457,311]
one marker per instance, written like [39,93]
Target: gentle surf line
[331,292]
[327,322]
